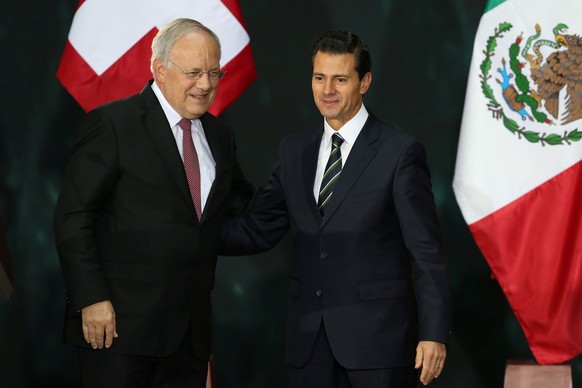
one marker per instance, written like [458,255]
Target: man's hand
[99,324]
[431,356]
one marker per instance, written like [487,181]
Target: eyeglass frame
[196,75]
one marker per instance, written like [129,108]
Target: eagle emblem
[538,83]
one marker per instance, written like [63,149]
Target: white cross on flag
[107,55]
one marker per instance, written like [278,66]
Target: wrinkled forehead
[196,47]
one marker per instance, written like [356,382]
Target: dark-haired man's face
[337,89]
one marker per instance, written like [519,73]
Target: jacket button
[323,255]
[318,292]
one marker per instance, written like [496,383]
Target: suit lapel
[360,156]
[308,169]
[156,125]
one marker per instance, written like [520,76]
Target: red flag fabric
[107,54]
[534,249]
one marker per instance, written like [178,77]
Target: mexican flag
[518,175]
[107,54]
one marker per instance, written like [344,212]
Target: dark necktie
[191,165]
[332,172]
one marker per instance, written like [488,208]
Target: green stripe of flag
[492,4]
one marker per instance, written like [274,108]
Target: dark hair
[343,42]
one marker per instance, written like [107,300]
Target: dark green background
[421,53]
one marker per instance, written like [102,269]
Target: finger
[419,356]
[115,335]
[439,369]
[100,336]
[432,373]
[428,379]
[109,336]
[424,375]
[92,339]
[110,333]
[86,332]
[429,369]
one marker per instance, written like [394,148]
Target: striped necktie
[332,172]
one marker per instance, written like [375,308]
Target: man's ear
[365,83]
[159,70]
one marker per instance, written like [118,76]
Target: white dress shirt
[205,159]
[349,132]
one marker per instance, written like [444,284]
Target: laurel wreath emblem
[497,110]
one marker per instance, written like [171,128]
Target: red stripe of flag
[534,248]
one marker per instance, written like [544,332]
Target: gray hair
[166,38]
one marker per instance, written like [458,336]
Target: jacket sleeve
[264,226]
[421,233]
[242,192]
[89,178]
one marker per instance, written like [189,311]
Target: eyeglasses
[213,75]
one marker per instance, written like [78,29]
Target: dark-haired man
[368,298]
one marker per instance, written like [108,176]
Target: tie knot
[186,125]
[337,140]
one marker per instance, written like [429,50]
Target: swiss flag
[107,55]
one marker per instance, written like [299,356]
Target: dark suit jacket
[126,228]
[373,268]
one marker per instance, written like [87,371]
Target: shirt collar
[171,115]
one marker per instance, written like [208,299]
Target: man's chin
[198,110]
[327,113]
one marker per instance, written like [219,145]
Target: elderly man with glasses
[148,184]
